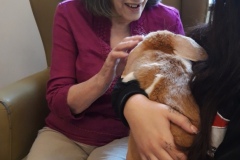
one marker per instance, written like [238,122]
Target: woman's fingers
[160,155]
[128,43]
[182,121]
[170,148]
[134,38]
[157,153]
[168,152]
[167,147]
[121,52]
[117,56]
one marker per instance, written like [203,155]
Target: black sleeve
[229,149]
[121,92]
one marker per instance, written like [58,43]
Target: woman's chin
[133,18]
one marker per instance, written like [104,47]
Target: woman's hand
[150,126]
[116,59]
[99,83]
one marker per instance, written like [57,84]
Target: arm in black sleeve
[121,92]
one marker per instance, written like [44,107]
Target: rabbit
[162,64]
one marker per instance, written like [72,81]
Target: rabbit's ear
[187,48]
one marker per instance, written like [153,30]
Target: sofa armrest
[23,108]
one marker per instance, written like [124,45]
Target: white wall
[21,49]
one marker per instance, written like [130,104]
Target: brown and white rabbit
[161,63]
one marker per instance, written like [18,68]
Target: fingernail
[194,129]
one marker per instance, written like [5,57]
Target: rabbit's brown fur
[161,63]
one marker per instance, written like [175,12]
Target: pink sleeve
[62,70]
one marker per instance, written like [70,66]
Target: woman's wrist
[132,104]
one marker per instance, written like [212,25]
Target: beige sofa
[22,104]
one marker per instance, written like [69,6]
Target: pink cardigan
[80,46]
